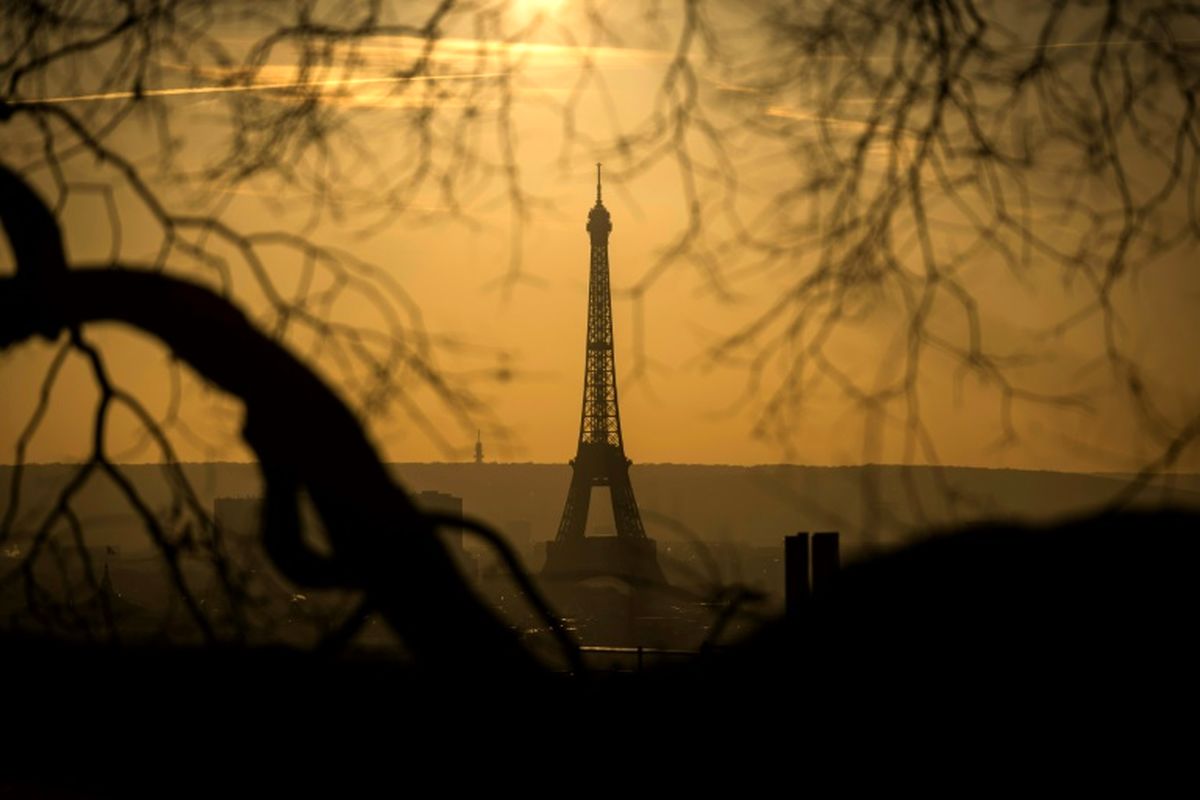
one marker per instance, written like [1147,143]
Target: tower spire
[598,184]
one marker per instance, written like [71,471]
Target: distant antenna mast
[478,448]
[598,184]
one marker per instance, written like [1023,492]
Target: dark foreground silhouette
[1087,627]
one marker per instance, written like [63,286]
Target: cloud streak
[182,91]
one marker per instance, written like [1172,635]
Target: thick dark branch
[300,428]
[304,435]
[32,231]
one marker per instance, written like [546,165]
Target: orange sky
[518,344]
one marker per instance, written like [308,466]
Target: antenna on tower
[598,183]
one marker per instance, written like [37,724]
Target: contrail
[1112,42]
[256,87]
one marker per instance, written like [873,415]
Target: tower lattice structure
[600,457]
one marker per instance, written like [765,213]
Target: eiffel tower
[600,457]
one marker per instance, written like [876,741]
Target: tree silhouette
[308,441]
[1048,138]
[885,125]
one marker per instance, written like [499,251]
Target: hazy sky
[501,282]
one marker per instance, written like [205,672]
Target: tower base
[633,560]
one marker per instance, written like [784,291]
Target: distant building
[443,503]
[109,604]
[238,515]
[478,448]
[242,516]
[519,533]
[450,505]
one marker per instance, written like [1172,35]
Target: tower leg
[575,512]
[625,511]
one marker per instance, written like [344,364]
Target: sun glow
[545,8]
